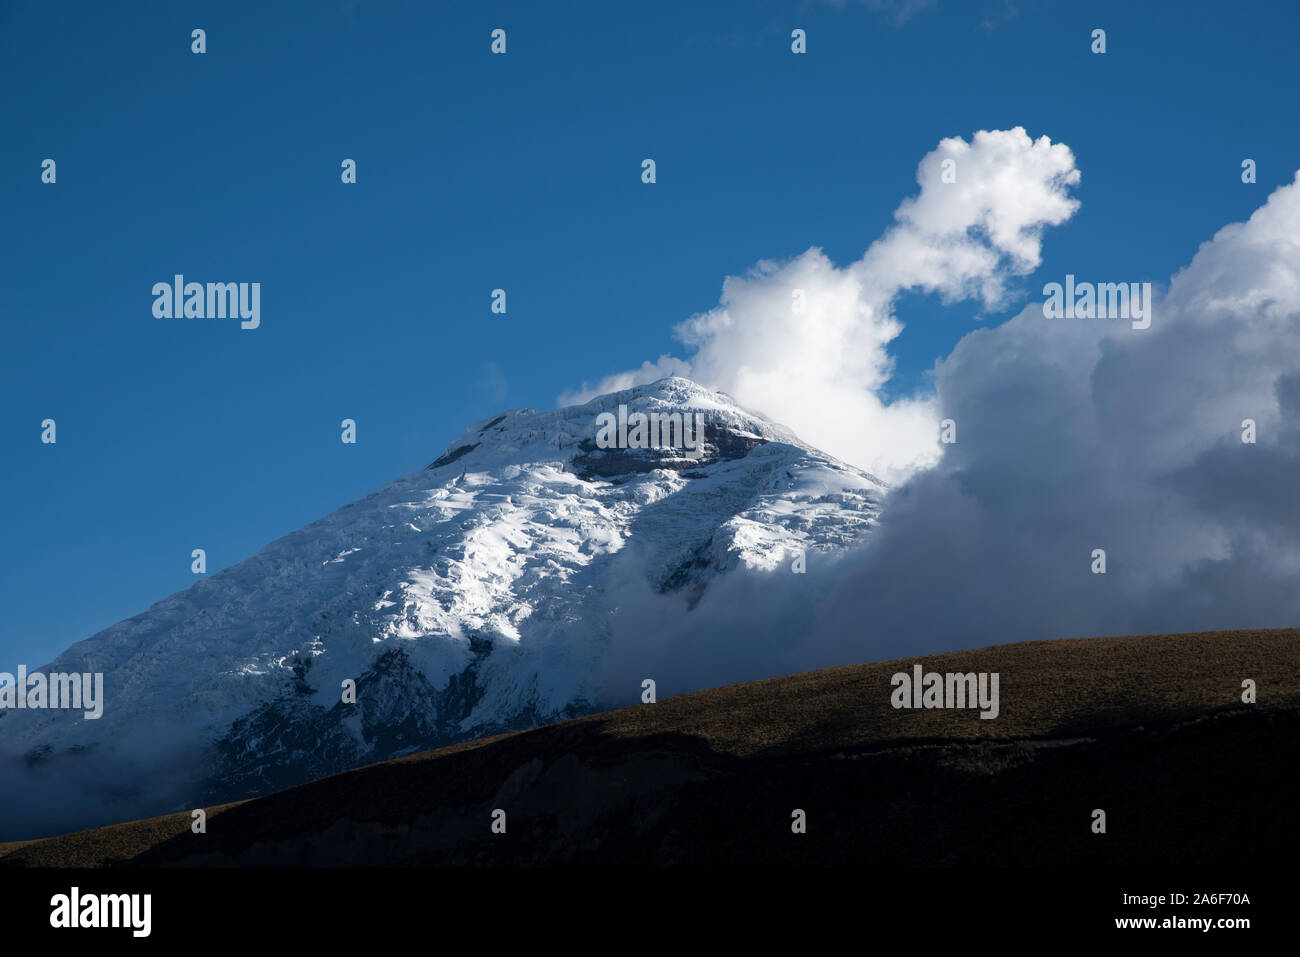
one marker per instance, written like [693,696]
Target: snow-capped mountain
[470,598]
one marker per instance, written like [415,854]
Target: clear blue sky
[519,171]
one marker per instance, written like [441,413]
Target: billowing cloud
[807,342]
[1072,435]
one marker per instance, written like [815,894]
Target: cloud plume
[1072,435]
[807,341]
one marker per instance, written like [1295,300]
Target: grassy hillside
[1150,729]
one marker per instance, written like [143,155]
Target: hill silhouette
[1150,729]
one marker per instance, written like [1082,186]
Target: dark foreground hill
[1151,730]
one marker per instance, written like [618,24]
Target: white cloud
[821,371]
[1072,435]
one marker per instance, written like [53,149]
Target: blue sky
[522,172]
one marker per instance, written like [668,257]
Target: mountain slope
[1150,729]
[468,599]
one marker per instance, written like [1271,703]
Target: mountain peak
[572,432]
[473,597]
